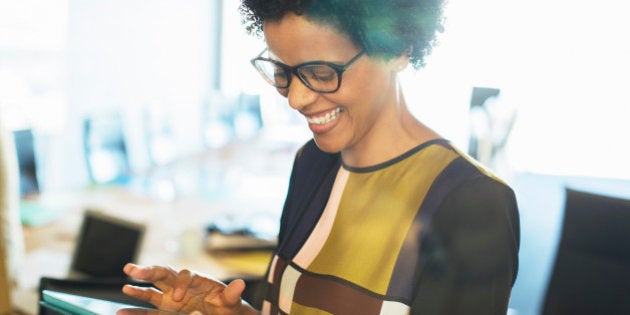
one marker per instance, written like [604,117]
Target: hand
[186,292]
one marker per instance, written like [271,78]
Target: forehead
[295,39]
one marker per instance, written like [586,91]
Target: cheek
[369,83]
[369,91]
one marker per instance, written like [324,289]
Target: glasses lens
[273,73]
[321,78]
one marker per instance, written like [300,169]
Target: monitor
[105,243]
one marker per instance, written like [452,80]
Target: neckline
[395,160]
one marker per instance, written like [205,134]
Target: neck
[398,132]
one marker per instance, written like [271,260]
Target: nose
[299,95]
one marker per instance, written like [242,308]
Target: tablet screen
[77,304]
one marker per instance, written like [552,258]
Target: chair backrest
[591,274]
[11,240]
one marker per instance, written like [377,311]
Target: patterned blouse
[429,232]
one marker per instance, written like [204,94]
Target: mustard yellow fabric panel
[371,226]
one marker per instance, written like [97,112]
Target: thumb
[232,293]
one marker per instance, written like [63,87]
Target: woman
[382,216]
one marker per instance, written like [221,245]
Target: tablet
[105,243]
[73,304]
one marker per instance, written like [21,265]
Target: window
[33,41]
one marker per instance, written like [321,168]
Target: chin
[327,145]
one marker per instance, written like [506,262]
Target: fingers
[183,290]
[188,281]
[150,295]
[167,280]
[153,274]
[232,293]
[183,281]
[129,267]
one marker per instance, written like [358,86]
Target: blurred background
[159,96]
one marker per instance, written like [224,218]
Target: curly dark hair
[384,28]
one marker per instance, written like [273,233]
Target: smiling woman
[383,214]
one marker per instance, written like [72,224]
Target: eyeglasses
[319,76]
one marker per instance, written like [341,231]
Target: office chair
[11,240]
[591,274]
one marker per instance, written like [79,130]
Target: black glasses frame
[288,70]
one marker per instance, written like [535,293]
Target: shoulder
[473,169]
[473,194]
[477,219]
[461,180]
[480,197]
[478,226]
[475,189]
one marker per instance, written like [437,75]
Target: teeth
[325,119]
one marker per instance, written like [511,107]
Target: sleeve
[311,168]
[291,188]
[470,253]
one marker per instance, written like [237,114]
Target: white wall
[132,54]
[565,65]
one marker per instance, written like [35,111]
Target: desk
[174,237]
[175,225]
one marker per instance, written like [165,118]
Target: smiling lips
[324,119]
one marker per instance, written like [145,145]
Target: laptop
[72,304]
[105,243]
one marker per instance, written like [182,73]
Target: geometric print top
[350,238]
